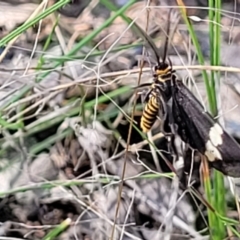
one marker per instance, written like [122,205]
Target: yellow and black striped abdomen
[150,112]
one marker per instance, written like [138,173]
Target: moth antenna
[143,85]
[169,35]
[149,41]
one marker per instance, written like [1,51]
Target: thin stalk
[199,53]
[215,47]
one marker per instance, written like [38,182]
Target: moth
[184,115]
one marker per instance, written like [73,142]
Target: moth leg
[145,98]
[144,95]
[162,111]
[165,115]
[171,137]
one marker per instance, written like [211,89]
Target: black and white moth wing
[186,125]
[197,128]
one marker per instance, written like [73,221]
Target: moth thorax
[159,87]
[164,74]
[162,78]
[164,88]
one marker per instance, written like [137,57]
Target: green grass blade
[215,48]
[57,230]
[27,25]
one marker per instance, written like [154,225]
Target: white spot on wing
[212,152]
[215,135]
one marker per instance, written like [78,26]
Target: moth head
[161,68]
